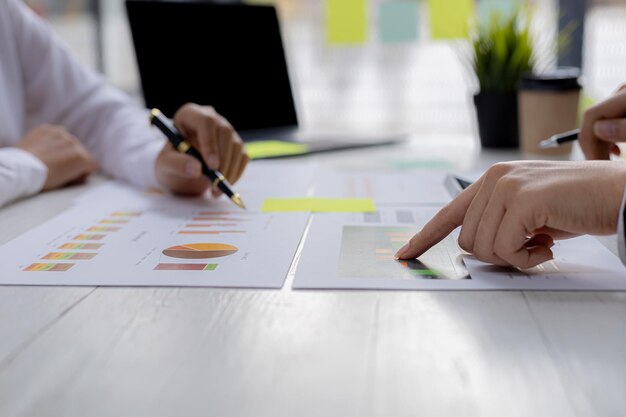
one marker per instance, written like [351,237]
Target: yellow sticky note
[274,148]
[346,21]
[449,19]
[319,205]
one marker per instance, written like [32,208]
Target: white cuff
[621,239]
[21,174]
[145,164]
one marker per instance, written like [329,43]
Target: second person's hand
[603,126]
[514,212]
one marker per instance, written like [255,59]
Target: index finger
[441,225]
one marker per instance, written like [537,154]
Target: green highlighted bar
[274,149]
[319,205]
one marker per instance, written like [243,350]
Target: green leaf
[502,52]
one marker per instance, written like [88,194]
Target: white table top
[221,352]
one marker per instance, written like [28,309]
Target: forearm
[61,91]
[21,175]
[118,134]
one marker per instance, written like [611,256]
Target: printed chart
[367,252]
[115,235]
[355,251]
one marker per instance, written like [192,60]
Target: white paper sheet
[384,187]
[355,251]
[118,236]
[269,179]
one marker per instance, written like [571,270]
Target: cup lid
[561,79]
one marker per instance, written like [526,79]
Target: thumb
[611,130]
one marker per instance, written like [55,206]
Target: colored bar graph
[88,237]
[208,232]
[83,246]
[126,213]
[48,267]
[64,256]
[185,267]
[217,219]
[113,221]
[200,225]
[103,229]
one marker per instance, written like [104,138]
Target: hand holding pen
[187,164]
[603,126]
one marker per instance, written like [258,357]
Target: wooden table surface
[231,352]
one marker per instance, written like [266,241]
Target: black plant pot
[497,119]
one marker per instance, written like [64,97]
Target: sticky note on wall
[449,19]
[346,21]
[503,8]
[397,21]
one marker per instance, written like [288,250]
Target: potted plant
[501,53]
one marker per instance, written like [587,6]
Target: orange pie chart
[200,250]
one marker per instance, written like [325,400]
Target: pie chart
[200,250]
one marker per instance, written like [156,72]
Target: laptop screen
[224,55]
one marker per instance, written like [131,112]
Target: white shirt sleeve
[60,90]
[21,174]
[621,239]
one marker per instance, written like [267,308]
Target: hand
[215,139]
[604,125]
[67,159]
[513,213]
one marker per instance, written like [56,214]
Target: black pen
[559,139]
[181,145]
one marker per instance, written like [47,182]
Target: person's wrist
[618,186]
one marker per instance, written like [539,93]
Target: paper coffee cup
[548,104]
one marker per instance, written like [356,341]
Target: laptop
[229,56]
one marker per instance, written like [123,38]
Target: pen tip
[237,200]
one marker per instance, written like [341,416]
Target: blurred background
[412,83]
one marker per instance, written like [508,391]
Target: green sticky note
[274,149]
[346,21]
[449,19]
[319,205]
[397,21]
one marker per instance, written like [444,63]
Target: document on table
[384,187]
[116,235]
[355,251]
[268,179]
